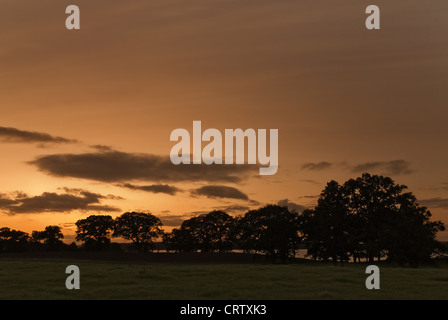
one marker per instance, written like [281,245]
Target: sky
[86,115]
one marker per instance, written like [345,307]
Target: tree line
[370,217]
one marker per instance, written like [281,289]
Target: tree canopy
[95,231]
[12,240]
[207,232]
[272,229]
[138,227]
[370,217]
[51,237]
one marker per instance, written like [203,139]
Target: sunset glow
[86,116]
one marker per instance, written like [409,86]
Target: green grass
[45,279]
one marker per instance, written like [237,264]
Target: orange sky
[345,100]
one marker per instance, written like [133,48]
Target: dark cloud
[115,166]
[73,199]
[6,202]
[82,192]
[21,136]
[176,220]
[220,192]
[101,148]
[394,167]
[232,209]
[254,202]
[437,202]
[311,181]
[67,225]
[316,166]
[309,197]
[155,188]
[292,206]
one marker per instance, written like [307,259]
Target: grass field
[45,279]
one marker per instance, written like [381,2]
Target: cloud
[176,220]
[437,202]
[232,209]
[15,135]
[394,167]
[309,197]
[115,166]
[155,188]
[292,206]
[316,166]
[311,181]
[73,199]
[67,225]
[101,148]
[220,192]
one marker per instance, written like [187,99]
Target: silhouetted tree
[372,200]
[326,228]
[51,238]
[273,230]
[13,240]
[216,229]
[180,240]
[95,231]
[411,236]
[370,216]
[207,232]
[71,247]
[192,232]
[138,227]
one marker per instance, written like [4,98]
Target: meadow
[45,279]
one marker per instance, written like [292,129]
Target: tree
[215,228]
[52,237]
[138,227]
[372,200]
[207,233]
[13,240]
[192,232]
[370,216]
[273,230]
[413,241]
[180,240]
[326,228]
[95,231]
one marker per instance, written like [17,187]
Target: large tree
[370,216]
[272,229]
[181,240]
[51,237]
[138,227]
[216,228]
[327,227]
[207,232]
[373,201]
[411,235]
[95,231]
[13,240]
